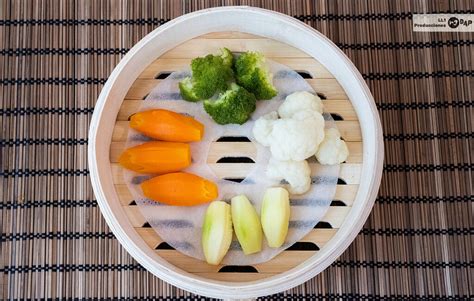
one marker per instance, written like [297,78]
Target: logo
[443,22]
[453,22]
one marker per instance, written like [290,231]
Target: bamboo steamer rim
[267,24]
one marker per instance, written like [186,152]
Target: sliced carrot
[167,126]
[180,189]
[157,157]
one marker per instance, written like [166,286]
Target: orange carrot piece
[157,157]
[167,126]
[180,189]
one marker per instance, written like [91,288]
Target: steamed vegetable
[210,74]
[246,225]
[156,157]
[300,101]
[233,106]
[333,150]
[297,135]
[186,87]
[275,216]
[180,189]
[227,57]
[252,74]
[295,138]
[167,126]
[216,232]
[263,127]
[215,74]
[299,131]
[296,173]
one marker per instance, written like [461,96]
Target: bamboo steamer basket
[280,38]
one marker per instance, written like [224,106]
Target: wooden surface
[335,102]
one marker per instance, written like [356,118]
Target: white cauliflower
[296,173]
[263,128]
[298,133]
[300,101]
[333,150]
[296,138]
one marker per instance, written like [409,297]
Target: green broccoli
[227,57]
[187,90]
[252,74]
[233,106]
[210,74]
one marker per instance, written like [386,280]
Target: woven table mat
[57,55]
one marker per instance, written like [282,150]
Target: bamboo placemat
[55,58]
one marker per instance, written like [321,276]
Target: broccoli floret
[227,57]
[186,87]
[252,74]
[210,75]
[233,106]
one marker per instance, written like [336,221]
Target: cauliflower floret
[296,138]
[333,150]
[263,128]
[300,101]
[296,173]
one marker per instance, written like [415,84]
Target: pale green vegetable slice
[275,215]
[246,224]
[216,232]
